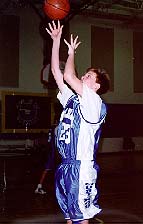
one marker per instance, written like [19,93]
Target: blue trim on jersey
[102,115]
[68,129]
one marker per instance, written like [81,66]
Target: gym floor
[120,184]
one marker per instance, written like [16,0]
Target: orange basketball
[56,9]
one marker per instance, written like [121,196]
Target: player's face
[89,79]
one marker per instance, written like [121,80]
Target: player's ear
[97,86]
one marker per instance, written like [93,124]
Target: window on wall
[9,51]
[138,61]
[102,50]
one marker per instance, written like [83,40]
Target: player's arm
[55,33]
[70,73]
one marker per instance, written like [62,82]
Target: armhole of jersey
[102,115]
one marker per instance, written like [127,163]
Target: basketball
[56,9]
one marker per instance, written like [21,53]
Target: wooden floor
[120,184]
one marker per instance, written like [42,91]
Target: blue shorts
[76,189]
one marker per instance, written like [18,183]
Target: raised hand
[55,31]
[73,45]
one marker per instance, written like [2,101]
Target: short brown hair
[102,78]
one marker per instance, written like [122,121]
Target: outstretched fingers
[59,25]
[67,43]
[54,25]
[74,42]
[54,29]
[50,29]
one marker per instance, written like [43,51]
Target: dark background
[123,120]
